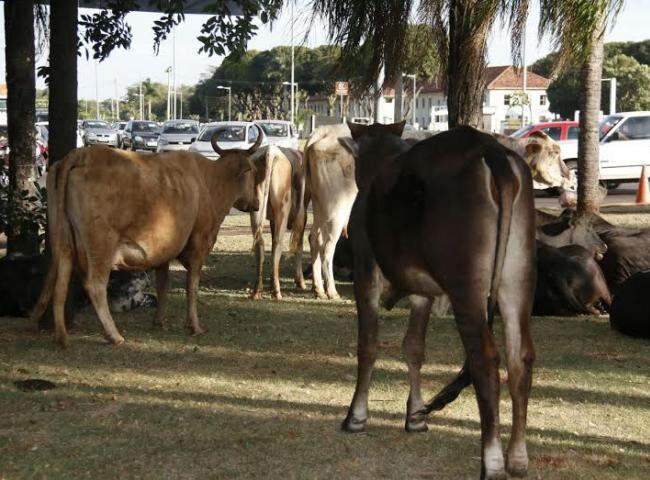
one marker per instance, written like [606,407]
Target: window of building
[506,99]
[543,99]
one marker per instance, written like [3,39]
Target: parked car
[177,135]
[624,147]
[280,133]
[234,135]
[141,135]
[560,130]
[98,132]
[119,126]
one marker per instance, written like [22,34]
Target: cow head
[249,170]
[573,230]
[371,145]
[544,158]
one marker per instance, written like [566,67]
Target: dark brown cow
[453,215]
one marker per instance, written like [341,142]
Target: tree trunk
[21,99]
[465,66]
[588,140]
[398,116]
[63,78]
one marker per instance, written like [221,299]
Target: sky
[126,67]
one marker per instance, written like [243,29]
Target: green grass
[262,394]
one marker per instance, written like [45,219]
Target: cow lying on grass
[110,209]
[21,281]
[630,312]
[454,214]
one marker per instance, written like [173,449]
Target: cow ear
[357,129]
[350,145]
[532,148]
[396,128]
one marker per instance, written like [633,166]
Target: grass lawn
[262,394]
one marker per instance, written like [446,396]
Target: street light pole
[174,70]
[169,91]
[220,87]
[293,79]
[612,94]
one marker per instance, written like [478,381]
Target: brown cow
[454,215]
[110,209]
[281,198]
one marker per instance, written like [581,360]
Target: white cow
[332,188]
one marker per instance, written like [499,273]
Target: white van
[624,147]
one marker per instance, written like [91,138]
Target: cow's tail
[59,232]
[300,222]
[506,186]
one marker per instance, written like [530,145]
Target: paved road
[626,193]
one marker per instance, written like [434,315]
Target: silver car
[177,135]
[280,133]
[99,132]
[241,135]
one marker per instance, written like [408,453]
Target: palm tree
[578,28]
[460,31]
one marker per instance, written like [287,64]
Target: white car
[241,135]
[177,135]
[624,147]
[280,133]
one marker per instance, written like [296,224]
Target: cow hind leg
[414,344]
[367,291]
[62,283]
[96,285]
[279,229]
[258,248]
[470,311]
[514,304]
[162,285]
[315,242]
[330,238]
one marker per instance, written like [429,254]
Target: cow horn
[258,142]
[213,141]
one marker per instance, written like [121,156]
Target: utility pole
[149,110]
[379,84]
[413,118]
[141,103]
[181,90]
[174,70]
[525,75]
[612,94]
[117,101]
[169,92]
[97,90]
[293,79]
[219,87]
[399,94]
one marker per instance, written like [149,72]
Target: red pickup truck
[560,130]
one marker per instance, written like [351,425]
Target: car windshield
[97,125]
[145,127]
[522,131]
[230,133]
[607,123]
[180,128]
[273,129]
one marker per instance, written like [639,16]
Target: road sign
[341,88]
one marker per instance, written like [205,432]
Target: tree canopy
[629,62]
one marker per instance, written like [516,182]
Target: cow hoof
[496,476]
[414,425]
[301,285]
[353,425]
[517,464]
[518,472]
[277,296]
[198,330]
[256,296]
[333,296]
[319,294]
[116,341]
[61,340]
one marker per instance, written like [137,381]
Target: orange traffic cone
[642,193]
